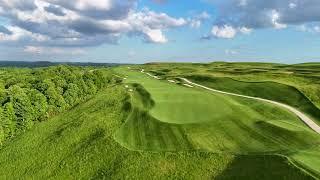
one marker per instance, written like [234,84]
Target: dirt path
[301,115]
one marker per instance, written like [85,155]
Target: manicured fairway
[267,90]
[185,118]
[83,143]
[79,144]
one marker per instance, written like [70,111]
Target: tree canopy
[28,96]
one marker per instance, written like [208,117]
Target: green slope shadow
[143,132]
[262,168]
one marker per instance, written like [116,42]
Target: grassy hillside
[267,90]
[304,77]
[80,144]
[120,134]
[309,159]
[188,118]
[170,125]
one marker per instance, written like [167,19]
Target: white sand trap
[172,81]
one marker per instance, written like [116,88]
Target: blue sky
[138,31]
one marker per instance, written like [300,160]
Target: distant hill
[48,63]
[311,64]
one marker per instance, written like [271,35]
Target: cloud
[198,19]
[4,30]
[258,14]
[309,28]
[81,22]
[203,16]
[53,50]
[23,5]
[245,30]
[56,10]
[154,36]
[194,23]
[226,32]
[275,17]
[292,5]
[20,35]
[98,9]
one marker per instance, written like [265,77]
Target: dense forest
[28,96]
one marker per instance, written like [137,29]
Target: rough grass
[184,118]
[308,159]
[176,122]
[267,90]
[304,77]
[79,144]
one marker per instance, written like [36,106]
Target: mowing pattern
[142,132]
[79,144]
[182,118]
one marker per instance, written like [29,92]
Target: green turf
[309,159]
[79,144]
[304,78]
[270,164]
[190,118]
[184,118]
[268,90]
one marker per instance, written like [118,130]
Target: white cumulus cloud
[228,32]
[225,31]
[81,22]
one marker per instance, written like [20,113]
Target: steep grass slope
[79,144]
[304,77]
[189,118]
[267,90]
[308,158]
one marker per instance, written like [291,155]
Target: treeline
[48,63]
[28,96]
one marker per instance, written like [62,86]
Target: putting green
[185,118]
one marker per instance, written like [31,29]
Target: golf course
[176,121]
[159,90]
[178,117]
